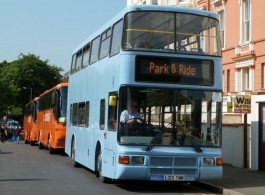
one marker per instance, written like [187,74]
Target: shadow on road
[22,180]
[6,152]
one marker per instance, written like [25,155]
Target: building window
[263,76]
[246,20]
[244,79]
[223,83]
[154,2]
[221,16]
[202,41]
[228,81]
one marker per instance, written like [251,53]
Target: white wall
[233,145]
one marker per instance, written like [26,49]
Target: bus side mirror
[112,100]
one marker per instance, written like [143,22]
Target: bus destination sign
[174,70]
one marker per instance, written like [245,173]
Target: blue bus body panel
[190,166]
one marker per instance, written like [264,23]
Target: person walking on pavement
[3,133]
[17,133]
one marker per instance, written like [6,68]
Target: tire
[32,143]
[51,150]
[99,168]
[41,146]
[74,163]
[26,141]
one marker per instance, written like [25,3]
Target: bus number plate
[174,177]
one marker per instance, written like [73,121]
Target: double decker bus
[31,122]
[167,60]
[52,118]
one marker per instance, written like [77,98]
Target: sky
[51,29]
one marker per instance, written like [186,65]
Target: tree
[27,71]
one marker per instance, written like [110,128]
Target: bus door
[110,136]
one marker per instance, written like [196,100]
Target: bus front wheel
[40,144]
[99,168]
[51,150]
[74,163]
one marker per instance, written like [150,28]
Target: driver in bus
[130,115]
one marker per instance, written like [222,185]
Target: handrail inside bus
[169,32]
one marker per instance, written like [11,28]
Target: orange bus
[30,121]
[52,118]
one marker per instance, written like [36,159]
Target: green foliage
[27,71]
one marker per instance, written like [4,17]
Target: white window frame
[202,41]
[222,24]
[245,21]
[244,78]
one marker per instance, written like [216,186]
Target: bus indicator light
[219,161]
[124,159]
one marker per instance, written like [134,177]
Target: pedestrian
[3,133]
[17,133]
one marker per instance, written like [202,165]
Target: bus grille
[170,165]
[168,161]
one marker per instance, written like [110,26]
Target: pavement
[238,181]
[235,181]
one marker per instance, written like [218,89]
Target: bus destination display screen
[174,70]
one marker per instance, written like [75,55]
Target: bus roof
[33,100]
[55,87]
[133,8]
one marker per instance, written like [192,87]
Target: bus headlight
[208,162]
[137,160]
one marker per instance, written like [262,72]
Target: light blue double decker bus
[167,60]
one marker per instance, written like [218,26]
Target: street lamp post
[30,92]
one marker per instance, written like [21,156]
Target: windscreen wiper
[153,141]
[196,146]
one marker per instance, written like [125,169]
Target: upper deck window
[86,51]
[104,44]
[171,32]
[94,50]
[116,38]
